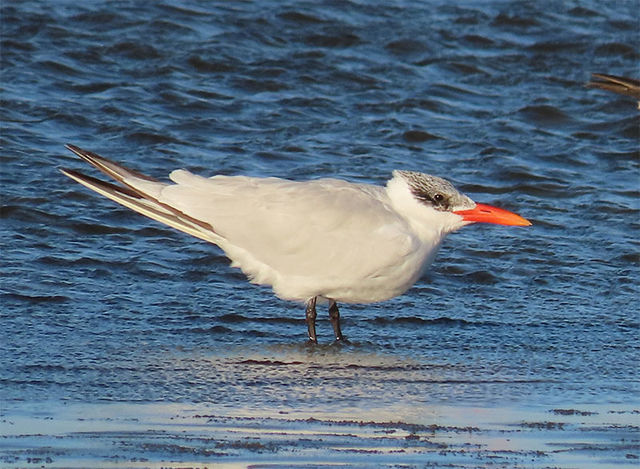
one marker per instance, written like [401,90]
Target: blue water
[100,304]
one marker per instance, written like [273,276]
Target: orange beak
[488,214]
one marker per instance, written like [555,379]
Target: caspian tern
[324,239]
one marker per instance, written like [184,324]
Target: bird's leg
[334,317]
[310,315]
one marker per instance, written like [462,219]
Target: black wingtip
[83,178]
[88,156]
[84,154]
[73,148]
[70,172]
[617,84]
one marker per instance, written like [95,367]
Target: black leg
[334,317]
[311,319]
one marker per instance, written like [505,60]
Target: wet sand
[158,435]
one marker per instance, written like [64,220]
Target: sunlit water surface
[100,304]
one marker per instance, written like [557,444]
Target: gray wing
[322,227]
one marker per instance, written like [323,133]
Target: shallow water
[156,435]
[100,305]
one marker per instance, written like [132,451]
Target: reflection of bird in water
[326,239]
[620,85]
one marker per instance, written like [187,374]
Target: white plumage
[326,238]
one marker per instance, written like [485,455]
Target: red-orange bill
[483,213]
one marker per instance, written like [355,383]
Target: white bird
[325,239]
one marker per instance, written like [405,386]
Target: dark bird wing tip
[107,166]
[615,78]
[76,149]
[602,76]
[73,174]
[621,85]
[84,154]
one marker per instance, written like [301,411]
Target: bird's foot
[339,341]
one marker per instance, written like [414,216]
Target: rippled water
[101,304]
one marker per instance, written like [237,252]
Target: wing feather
[621,85]
[140,193]
[134,201]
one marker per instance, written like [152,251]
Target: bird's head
[434,202]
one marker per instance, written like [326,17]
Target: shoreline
[65,434]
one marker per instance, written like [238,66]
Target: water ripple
[99,303]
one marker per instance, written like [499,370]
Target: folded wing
[283,233]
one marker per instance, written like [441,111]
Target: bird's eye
[439,198]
